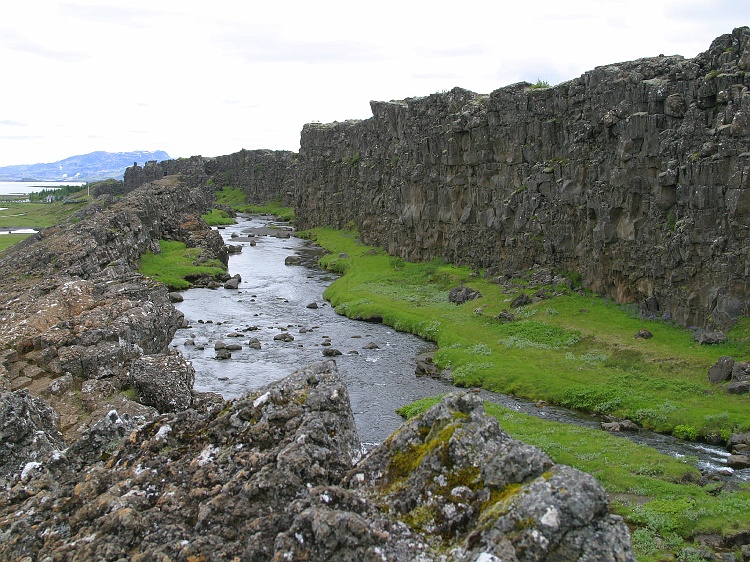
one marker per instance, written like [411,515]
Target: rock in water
[275,476]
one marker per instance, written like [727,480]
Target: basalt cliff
[635,176]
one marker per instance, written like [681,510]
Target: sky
[214,77]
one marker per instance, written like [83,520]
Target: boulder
[738,462]
[312,305]
[331,352]
[223,354]
[710,337]
[506,316]
[741,371]
[371,345]
[721,371]
[253,343]
[738,387]
[163,381]
[176,297]
[462,294]
[293,260]
[284,336]
[643,334]
[233,282]
[522,299]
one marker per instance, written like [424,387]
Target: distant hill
[95,166]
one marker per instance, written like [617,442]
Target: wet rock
[426,368]
[284,337]
[175,297]
[371,345]
[223,353]
[233,282]
[233,347]
[234,248]
[293,260]
[254,343]
[738,462]
[312,305]
[331,352]
[721,370]
[462,294]
[219,344]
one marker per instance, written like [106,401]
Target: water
[272,298]
[26,187]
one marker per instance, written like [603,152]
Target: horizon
[192,79]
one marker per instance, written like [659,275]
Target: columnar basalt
[636,175]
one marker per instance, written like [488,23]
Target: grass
[217,217]
[658,495]
[36,215]
[576,350]
[10,239]
[177,265]
[235,198]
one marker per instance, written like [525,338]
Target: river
[377,363]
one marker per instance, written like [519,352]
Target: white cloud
[196,77]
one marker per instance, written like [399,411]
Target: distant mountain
[86,167]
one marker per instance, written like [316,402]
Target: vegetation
[576,350]
[217,217]
[539,85]
[235,198]
[658,495]
[36,215]
[177,265]
[10,239]
[58,193]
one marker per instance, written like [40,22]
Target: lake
[24,187]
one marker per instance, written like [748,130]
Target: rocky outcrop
[80,326]
[272,476]
[263,175]
[635,175]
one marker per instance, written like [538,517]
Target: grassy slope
[577,350]
[36,215]
[235,198]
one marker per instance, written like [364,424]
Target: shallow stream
[274,298]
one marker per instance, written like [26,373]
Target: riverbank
[578,350]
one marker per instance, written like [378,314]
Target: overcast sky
[213,77]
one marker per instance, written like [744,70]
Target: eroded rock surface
[272,476]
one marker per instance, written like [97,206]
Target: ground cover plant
[10,239]
[177,264]
[217,217]
[36,215]
[578,350]
[235,198]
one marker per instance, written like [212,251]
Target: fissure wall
[635,175]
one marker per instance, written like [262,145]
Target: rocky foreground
[107,452]
[277,475]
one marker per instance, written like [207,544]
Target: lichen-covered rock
[28,433]
[163,381]
[274,476]
[721,370]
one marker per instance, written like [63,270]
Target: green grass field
[576,350]
[176,265]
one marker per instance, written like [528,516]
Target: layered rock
[263,175]
[636,175]
[77,318]
[272,476]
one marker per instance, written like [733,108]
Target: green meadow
[577,350]
[234,197]
[177,264]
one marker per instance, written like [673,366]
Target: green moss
[217,217]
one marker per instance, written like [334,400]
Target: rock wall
[263,175]
[636,175]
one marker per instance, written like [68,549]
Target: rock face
[636,175]
[272,476]
[74,310]
[262,174]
